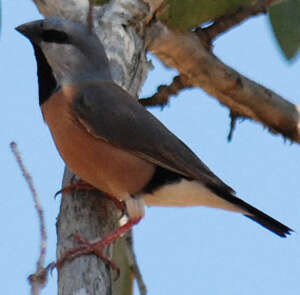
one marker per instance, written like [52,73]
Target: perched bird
[111,141]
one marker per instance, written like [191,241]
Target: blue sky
[192,250]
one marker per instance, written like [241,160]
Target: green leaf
[285,20]
[101,2]
[186,14]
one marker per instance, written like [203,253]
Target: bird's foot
[97,247]
[78,185]
[88,248]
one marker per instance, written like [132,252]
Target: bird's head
[66,53]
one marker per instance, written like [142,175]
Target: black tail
[268,222]
[254,214]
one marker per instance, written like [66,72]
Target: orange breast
[104,166]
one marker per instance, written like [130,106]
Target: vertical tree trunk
[90,214]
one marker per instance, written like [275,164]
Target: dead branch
[162,96]
[244,97]
[233,119]
[39,278]
[193,59]
[134,265]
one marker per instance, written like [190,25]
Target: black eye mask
[55,36]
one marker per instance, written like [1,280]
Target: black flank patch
[160,178]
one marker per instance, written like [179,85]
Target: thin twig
[134,265]
[162,96]
[233,120]
[38,279]
[226,22]
[90,17]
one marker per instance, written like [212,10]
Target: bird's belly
[110,169]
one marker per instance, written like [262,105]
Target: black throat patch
[46,80]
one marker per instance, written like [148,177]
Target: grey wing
[110,113]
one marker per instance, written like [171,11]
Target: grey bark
[90,214]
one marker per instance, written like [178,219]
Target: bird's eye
[55,36]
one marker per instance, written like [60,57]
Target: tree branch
[206,35]
[244,97]
[162,96]
[226,22]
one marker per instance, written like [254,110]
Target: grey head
[66,53]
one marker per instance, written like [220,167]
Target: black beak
[31,30]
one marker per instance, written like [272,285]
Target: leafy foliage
[101,2]
[285,20]
[183,15]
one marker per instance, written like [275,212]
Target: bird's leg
[135,211]
[80,184]
[97,247]
[76,185]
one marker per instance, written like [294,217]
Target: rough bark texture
[90,214]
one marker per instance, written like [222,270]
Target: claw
[51,266]
[57,193]
[82,185]
[97,247]
[76,186]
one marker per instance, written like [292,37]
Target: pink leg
[76,186]
[82,185]
[97,247]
